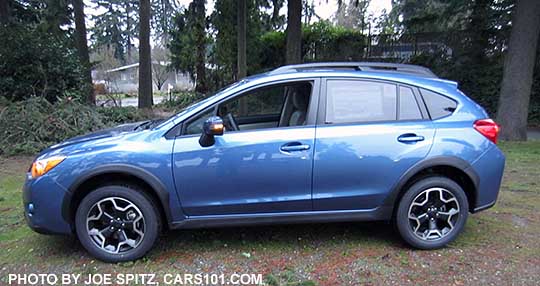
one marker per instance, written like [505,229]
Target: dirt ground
[500,246]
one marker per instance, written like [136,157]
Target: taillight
[488,128]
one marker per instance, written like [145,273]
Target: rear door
[368,134]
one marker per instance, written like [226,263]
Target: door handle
[294,146]
[410,138]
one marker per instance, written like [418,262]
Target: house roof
[135,65]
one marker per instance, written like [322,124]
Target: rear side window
[438,105]
[360,101]
[408,107]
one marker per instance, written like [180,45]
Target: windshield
[198,103]
[201,102]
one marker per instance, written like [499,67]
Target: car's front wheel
[432,213]
[117,223]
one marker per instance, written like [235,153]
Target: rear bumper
[490,168]
[42,200]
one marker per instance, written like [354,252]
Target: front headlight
[42,166]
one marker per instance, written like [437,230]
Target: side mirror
[211,127]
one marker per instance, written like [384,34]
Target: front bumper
[42,199]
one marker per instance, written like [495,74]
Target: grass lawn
[499,246]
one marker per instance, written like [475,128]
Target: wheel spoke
[124,240]
[432,225]
[447,216]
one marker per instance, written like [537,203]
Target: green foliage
[118,115]
[188,43]
[35,62]
[162,17]
[32,125]
[534,107]
[224,51]
[116,27]
[273,50]
[29,126]
[180,100]
[182,44]
[321,41]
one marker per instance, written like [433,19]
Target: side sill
[381,213]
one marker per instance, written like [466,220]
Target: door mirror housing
[213,126]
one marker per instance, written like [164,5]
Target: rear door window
[350,101]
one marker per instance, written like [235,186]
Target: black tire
[403,223]
[145,205]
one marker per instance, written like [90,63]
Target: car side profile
[321,142]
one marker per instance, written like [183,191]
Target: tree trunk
[241,56]
[82,49]
[200,39]
[128,34]
[518,71]
[4,11]
[275,13]
[479,27]
[145,59]
[241,39]
[294,31]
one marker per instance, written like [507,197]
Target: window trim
[417,100]
[310,119]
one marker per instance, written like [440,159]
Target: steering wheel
[231,122]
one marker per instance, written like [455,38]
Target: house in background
[125,79]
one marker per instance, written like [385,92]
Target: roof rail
[359,66]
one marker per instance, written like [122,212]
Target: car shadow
[238,239]
[281,236]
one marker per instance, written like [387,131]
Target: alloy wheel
[433,214]
[115,225]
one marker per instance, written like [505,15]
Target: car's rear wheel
[432,213]
[117,223]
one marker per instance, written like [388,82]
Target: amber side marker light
[217,127]
[42,166]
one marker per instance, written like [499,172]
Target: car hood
[105,133]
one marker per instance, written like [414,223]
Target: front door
[263,161]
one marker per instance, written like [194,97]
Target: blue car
[322,142]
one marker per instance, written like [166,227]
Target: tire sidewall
[402,213]
[140,200]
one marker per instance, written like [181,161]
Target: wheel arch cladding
[117,175]
[453,168]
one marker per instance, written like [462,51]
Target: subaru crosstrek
[307,143]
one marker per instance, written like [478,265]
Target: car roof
[431,83]
[359,66]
